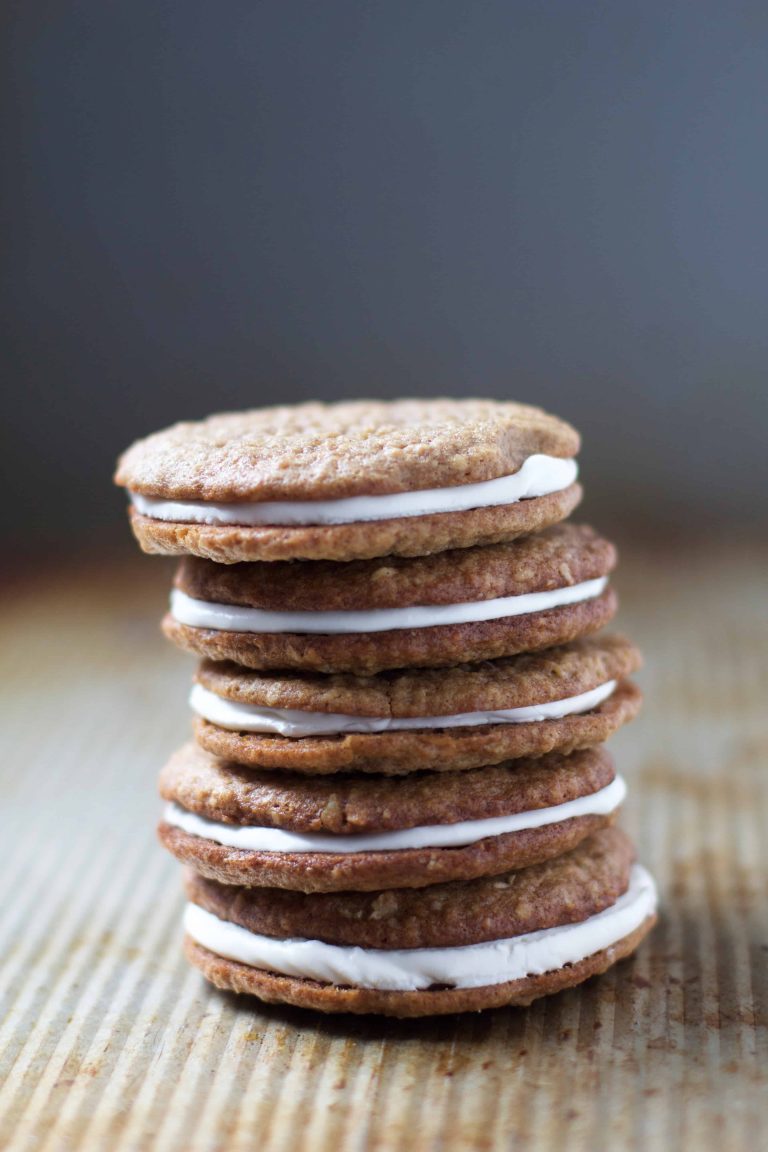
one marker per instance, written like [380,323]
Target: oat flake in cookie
[351,481]
[455,947]
[366,616]
[366,833]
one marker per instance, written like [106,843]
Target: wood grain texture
[109,1040]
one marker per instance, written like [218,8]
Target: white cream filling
[295,724]
[406,970]
[539,476]
[233,618]
[260,839]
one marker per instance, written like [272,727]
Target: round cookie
[586,888]
[321,454]
[564,890]
[231,976]
[447,750]
[346,808]
[412,536]
[319,451]
[531,679]
[549,564]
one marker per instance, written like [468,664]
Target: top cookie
[333,451]
[350,481]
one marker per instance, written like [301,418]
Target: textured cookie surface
[438,750]
[512,682]
[274,989]
[345,805]
[557,557]
[333,451]
[565,890]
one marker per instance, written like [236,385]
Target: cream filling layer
[407,970]
[260,839]
[295,724]
[234,618]
[539,476]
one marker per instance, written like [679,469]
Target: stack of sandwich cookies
[397,800]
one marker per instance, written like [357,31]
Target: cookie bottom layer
[373,871]
[408,536]
[412,647]
[302,993]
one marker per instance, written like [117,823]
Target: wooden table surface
[109,1041]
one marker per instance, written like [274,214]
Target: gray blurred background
[216,205]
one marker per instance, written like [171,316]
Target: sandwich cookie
[348,833]
[447,719]
[350,481]
[455,947]
[370,615]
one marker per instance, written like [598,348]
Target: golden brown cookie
[437,1001]
[368,616]
[412,536]
[546,927]
[586,669]
[317,453]
[564,890]
[513,682]
[320,451]
[446,750]
[553,803]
